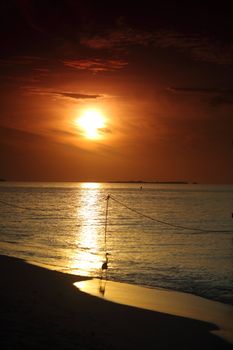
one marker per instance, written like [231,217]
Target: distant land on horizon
[116,181]
[171,182]
[151,182]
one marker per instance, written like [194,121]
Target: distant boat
[2,179]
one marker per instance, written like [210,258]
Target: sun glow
[91,123]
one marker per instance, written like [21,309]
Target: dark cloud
[200,90]
[21,60]
[95,65]
[76,96]
[198,47]
[65,94]
[118,39]
[213,96]
[216,96]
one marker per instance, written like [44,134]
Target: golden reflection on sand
[161,300]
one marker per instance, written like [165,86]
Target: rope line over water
[165,222]
[19,207]
[25,208]
[109,196]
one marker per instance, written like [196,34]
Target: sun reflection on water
[89,239]
[90,185]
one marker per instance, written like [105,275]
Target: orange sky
[162,81]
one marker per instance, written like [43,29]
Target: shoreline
[165,301]
[152,287]
[42,309]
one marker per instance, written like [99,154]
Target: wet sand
[42,309]
[165,301]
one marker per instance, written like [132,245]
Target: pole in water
[106,222]
[105,263]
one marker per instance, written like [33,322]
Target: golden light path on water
[88,256]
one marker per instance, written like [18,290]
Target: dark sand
[41,309]
[164,301]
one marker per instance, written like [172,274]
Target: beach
[42,309]
[61,226]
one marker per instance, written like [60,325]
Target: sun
[91,123]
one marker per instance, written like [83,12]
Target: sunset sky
[160,77]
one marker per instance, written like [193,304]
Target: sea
[173,236]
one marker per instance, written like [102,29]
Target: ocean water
[174,236]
